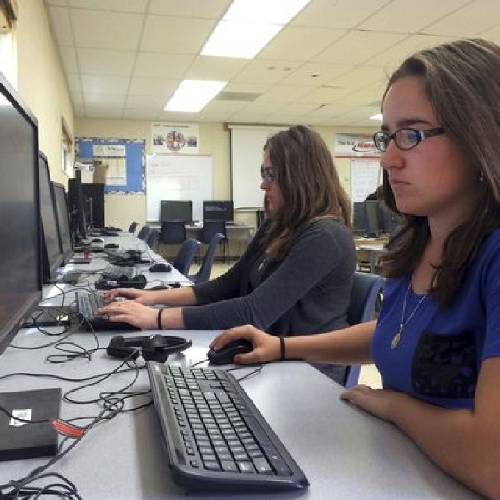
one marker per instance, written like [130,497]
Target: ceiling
[123,59]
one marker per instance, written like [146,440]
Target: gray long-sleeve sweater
[307,291]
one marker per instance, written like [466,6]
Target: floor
[369,373]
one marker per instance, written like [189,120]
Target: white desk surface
[344,452]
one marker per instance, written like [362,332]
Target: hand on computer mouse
[265,347]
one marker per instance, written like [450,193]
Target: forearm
[171,318]
[347,346]
[183,296]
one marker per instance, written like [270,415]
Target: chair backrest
[152,238]
[206,266]
[185,255]
[366,289]
[132,227]
[211,228]
[173,231]
[143,233]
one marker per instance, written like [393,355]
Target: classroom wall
[41,81]
[214,140]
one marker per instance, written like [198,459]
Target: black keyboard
[216,438]
[87,304]
[118,273]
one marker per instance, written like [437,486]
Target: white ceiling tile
[211,9]
[315,73]
[217,106]
[68,58]
[470,20]
[175,35]
[284,118]
[324,95]
[289,44]
[394,17]
[249,116]
[116,5]
[253,88]
[358,46]
[106,62]
[154,87]
[215,68]
[337,14]
[299,108]
[359,77]
[145,102]
[61,25]
[161,65]
[139,114]
[283,93]
[220,116]
[172,116]
[107,30]
[74,83]
[97,84]
[260,71]
[109,113]
[369,96]
[103,100]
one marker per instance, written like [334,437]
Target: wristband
[159,319]
[282,348]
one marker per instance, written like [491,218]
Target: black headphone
[152,348]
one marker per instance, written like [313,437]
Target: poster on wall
[347,145]
[366,176]
[175,138]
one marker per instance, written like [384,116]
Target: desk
[368,252]
[344,452]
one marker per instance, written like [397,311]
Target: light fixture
[249,25]
[377,117]
[192,95]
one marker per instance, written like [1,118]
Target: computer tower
[93,199]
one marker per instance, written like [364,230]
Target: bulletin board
[177,177]
[123,160]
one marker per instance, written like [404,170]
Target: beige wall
[41,81]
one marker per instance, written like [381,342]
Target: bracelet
[159,319]
[282,348]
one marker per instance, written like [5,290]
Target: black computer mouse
[97,240]
[225,355]
[111,245]
[160,268]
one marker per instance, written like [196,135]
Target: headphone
[152,348]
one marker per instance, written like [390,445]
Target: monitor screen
[218,210]
[389,220]
[78,222]
[359,222]
[52,253]
[372,217]
[63,219]
[20,263]
[176,210]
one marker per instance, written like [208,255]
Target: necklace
[403,324]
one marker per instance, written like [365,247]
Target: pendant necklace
[403,323]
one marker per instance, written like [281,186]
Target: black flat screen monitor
[389,220]
[372,217]
[63,219]
[20,262]
[176,210]
[218,210]
[359,221]
[52,252]
[76,207]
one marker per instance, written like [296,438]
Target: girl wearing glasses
[296,274]
[437,340]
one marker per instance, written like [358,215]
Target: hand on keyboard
[131,312]
[135,294]
[265,347]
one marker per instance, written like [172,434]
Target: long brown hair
[462,83]
[310,187]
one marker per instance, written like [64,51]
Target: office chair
[173,232]
[366,288]
[211,228]
[143,233]
[206,266]
[152,238]
[132,227]
[185,255]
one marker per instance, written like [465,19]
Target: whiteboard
[247,144]
[177,177]
[366,175]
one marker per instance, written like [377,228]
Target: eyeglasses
[405,138]
[267,174]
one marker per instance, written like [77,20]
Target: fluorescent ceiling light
[249,25]
[193,95]
[377,117]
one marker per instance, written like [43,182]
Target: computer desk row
[344,452]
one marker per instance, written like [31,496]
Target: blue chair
[132,227]
[206,266]
[366,289]
[152,238]
[185,255]
[210,229]
[143,233]
[173,232]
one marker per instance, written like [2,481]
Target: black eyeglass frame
[421,135]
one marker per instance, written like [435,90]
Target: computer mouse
[111,245]
[160,268]
[225,355]
[97,240]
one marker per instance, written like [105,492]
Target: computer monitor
[218,210]
[372,218]
[359,221]
[389,220]
[78,221]
[176,210]
[63,219]
[52,252]
[20,263]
